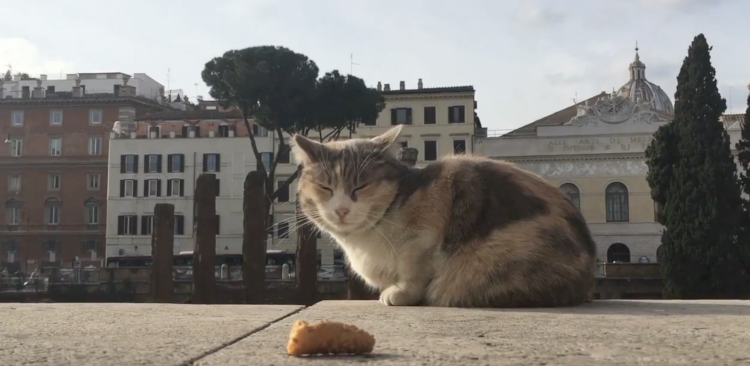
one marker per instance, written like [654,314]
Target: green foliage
[345,102]
[693,176]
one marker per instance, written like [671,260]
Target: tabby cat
[465,231]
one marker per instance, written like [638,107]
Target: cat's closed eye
[327,189]
[362,186]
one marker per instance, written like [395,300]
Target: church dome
[639,89]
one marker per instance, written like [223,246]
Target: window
[153,163]
[224,131]
[618,252]
[572,193]
[211,162]
[179,225]
[175,187]
[154,132]
[89,245]
[400,116]
[52,214]
[459,147]
[92,213]
[284,154]
[16,146]
[457,114]
[12,211]
[129,164]
[217,187]
[147,224]
[93,181]
[128,187]
[152,188]
[266,158]
[430,150]
[14,182]
[283,191]
[218,224]
[53,182]
[55,117]
[55,146]
[430,116]
[616,201]
[259,131]
[185,130]
[282,230]
[49,245]
[50,89]
[95,145]
[16,118]
[127,225]
[404,144]
[95,116]
[175,163]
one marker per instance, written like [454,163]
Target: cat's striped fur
[465,231]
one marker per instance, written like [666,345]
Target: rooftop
[197,114]
[622,332]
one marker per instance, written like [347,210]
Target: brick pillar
[204,254]
[162,244]
[307,261]
[254,237]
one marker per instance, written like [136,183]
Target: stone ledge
[604,332]
[620,332]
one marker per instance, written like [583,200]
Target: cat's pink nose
[342,212]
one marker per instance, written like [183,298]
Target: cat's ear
[385,142]
[305,150]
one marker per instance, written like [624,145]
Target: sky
[525,58]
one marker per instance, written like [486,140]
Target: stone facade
[594,150]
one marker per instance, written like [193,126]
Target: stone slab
[611,332]
[124,334]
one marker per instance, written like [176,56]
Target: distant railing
[273,272]
[27,228]
[23,284]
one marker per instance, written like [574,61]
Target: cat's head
[346,186]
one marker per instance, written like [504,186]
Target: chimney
[419,84]
[77,91]
[402,85]
[43,77]
[380,86]
[387,87]
[125,91]
[38,92]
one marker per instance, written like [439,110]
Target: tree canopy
[279,89]
[693,178]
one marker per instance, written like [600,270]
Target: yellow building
[594,151]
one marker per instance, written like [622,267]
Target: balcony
[57,229]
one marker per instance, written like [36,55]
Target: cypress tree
[743,155]
[693,177]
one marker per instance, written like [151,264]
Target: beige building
[594,151]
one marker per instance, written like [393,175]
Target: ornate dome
[639,89]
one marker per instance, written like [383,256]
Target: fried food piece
[328,338]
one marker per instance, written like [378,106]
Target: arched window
[618,252]
[616,196]
[573,194]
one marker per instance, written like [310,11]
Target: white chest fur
[373,256]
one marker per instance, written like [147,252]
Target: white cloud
[530,13]
[24,56]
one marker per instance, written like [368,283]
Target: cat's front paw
[395,296]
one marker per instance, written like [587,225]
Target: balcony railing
[44,228]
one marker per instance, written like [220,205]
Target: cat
[465,231]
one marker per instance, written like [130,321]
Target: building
[159,162]
[594,151]
[438,121]
[53,172]
[21,85]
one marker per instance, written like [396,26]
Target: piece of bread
[328,338]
